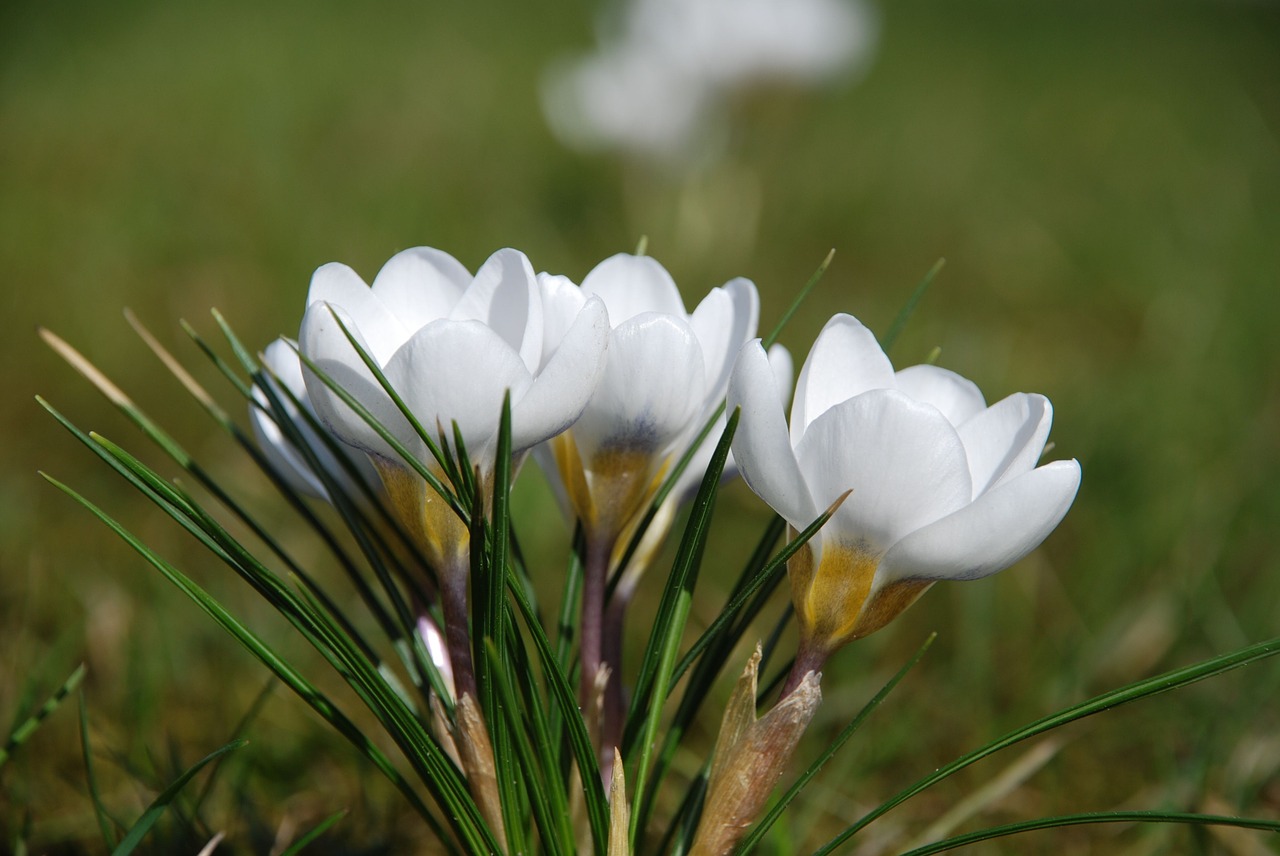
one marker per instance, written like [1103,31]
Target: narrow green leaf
[277,665]
[552,820]
[1124,695]
[659,662]
[1065,820]
[107,825]
[769,573]
[904,314]
[390,439]
[566,703]
[767,822]
[28,726]
[158,806]
[800,298]
[320,829]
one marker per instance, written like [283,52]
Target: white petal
[420,285]
[903,460]
[845,360]
[957,397]
[322,341]
[280,453]
[340,286]
[632,285]
[761,446]
[1006,439]
[724,321]
[563,388]
[506,297]
[561,303]
[651,389]
[458,371]
[784,372]
[996,530]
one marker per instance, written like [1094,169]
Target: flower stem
[594,577]
[809,658]
[453,604]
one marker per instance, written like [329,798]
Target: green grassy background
[1103,180]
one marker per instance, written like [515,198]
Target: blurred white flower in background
[657,85]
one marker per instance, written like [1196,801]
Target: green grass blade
[654,681]
[107,824]
[390,439]
[447,463]
[552,820]
[1065,820]
[158,806]
[320,829]
[766,823]
[769,574]
[1124,695]
[27,727]
[319,702]
[565,702]
[795,304]
[904,314]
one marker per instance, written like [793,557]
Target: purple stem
[453,603]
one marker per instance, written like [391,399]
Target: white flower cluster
[664,69]
[611,381]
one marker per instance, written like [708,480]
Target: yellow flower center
[836,601]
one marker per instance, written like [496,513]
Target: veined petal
[845,360]
[903,460]
[565,385]
[761,446]
[725,319]
[632,285]
[505,296]
[562,300]
[957,397]
[322,341]
[341,286]
[458,371]
[996,530]
[420,285]
[651,389]
[1006,439]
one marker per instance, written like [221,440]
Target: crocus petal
[283,363]
[990,534]
[458,371]
[340,286]
[761,446]
[565,385]
[723,321]
[903,460]
[784,372]
[651,388]
[845,360]
[322,341]
[421,285]
[957,397]
[632,285]
[562,300]
[505,297]
[1006,439]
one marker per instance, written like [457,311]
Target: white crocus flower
[451,345]
[666,373]
[665,70]
[284,372]
[943,486]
